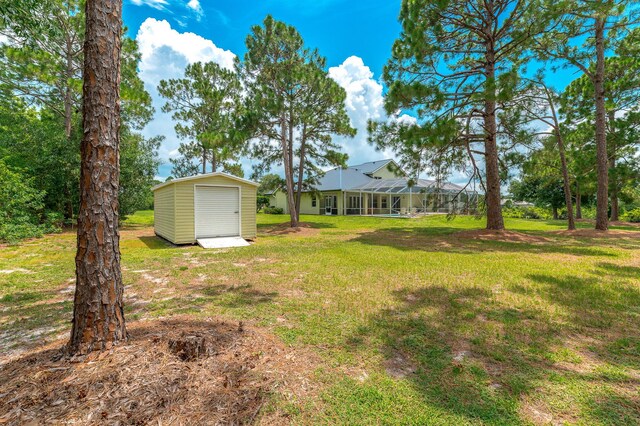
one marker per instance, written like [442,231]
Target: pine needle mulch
[144,381]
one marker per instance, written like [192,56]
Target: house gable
[379,169]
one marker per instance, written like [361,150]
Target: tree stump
[190,348]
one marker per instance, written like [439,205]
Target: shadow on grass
[285,225]
[475,357]
[432,239]
[238,296]
[604,305]
[156,243]
[203,297]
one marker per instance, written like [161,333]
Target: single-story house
[205,206]
[378,188]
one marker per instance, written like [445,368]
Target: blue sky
[338,28]
[355,36]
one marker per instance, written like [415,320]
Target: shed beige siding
[185,219]
[175,206]
[164,212]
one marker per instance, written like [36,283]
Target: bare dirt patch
[399,366]
[11,271]
[501,235]
[145,381]
[303,229]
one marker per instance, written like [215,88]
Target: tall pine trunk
[68,99]
[615,206]
[602,163]
[571,223]
[566,183]
[303,153]
[98,315]
[615,210]
[578,201]
[492,198]
[288,172]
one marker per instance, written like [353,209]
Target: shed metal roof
[204,175]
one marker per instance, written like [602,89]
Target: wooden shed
[210,205]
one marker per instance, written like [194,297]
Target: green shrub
[588,212]
[21,208]
[273,210]
[262,202]
[526,213]
[632,215]
[53,222]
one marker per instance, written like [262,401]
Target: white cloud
[194,5]
[170,6]
[165,53]
[156,4]
[364,102]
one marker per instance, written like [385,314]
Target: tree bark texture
[578,202]
[68,99]
[602,163]
[612,167]
[492,197]
[303,153]
[288,173]
[98,316]
[571,223]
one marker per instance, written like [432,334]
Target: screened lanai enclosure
[400,197]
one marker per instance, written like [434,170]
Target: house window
[354,202]
[383,202]
[375,202]
[313,201]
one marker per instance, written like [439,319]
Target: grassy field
[411,321]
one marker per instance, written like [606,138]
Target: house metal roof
[341,179]
[371,166]
[356,178]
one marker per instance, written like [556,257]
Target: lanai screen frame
[400,186]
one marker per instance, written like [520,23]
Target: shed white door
[217,211]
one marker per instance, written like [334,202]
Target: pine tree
[98,314]
[456,64]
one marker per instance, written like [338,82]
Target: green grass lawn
[411,323]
